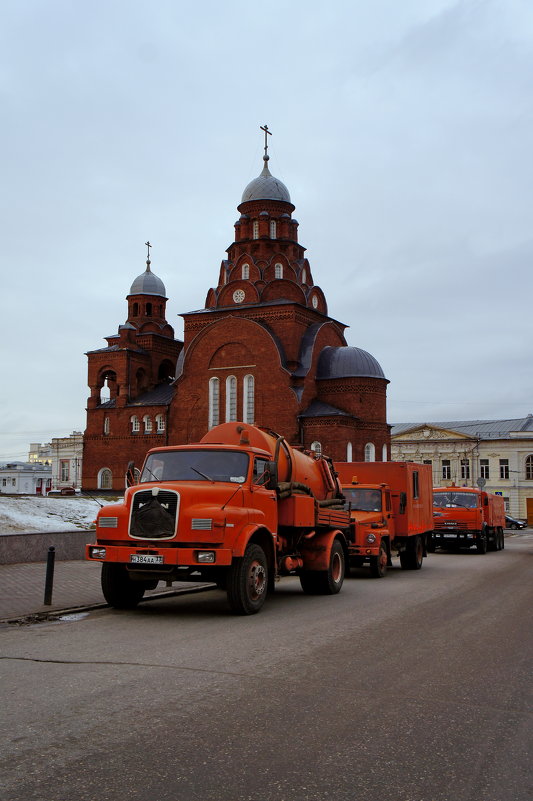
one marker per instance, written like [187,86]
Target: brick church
[263,349]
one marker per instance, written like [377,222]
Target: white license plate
[146,559]
[449,535]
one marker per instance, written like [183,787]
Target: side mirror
[130,474]
[272,475]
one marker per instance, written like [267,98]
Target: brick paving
[76,584]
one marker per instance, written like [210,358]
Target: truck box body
[400,521]
[465,516]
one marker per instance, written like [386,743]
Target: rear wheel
[326,582]
[247,581]
[378,564]
[118,588]
[412,557]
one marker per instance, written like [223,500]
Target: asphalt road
[415,687]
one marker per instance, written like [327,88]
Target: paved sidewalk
[76,584]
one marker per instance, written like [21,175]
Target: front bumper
[173,557]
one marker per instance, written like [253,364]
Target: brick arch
[225,297]
[283,288]
[289,273]
[231,353]
[211,299]
[322,306]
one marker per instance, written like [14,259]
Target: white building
[23,478]
[500,452]
[67,457]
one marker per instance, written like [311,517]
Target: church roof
[148,284]
[320,409]
[266,187]
[345,362]
[160,395]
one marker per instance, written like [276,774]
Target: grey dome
[148,284]
[266,187]
[345,362]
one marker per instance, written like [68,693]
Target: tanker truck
[390,504]
[241,508]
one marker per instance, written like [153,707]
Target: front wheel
[247,581]
[118,588]
[481,544]
[326,582]
[412,557]
[378,564]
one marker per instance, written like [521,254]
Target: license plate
[449,535]
[146,559]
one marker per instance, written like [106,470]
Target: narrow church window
[304,276]
[370,452]
[384,454]
[106,425]
[160,309]
[135,425]
[316,447]
[349,452]
[148,309]
[147,420]
[105,478]
[231,398]
[272,229]
[278,271]
[160,422]
[214,402]
[255,230]
[135,309]
[245,272]
[248,399]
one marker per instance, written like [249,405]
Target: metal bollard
[49,581]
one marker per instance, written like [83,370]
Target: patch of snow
[29,513]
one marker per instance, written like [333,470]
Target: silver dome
[344,362]
[148,284]
[266,187]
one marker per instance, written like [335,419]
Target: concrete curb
[33,547]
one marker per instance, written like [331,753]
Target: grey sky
[403,132]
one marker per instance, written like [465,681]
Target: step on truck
[240,508]
[465,517]
[390,505]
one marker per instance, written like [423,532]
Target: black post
[49,582]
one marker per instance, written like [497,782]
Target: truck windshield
[443,500]
[196,465]
[364,500]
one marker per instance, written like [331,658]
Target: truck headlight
[206,556]
[370,538]
[97,553]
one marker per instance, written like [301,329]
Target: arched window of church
[106,425]
[160,309]
[316,447]
[255,230]
[245,272]
[148,309]
[135,309]
[135,424]
[349,452]
[304,276]
[272,229]
[370,452]
[231,398]
[248,399]
[214,402]
[147,420]
[105,478]
[278,271]
[160,422]
[384,453]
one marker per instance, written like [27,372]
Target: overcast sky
[403,131]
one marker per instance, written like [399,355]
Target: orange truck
[240,508]
[464,516]
[391,512]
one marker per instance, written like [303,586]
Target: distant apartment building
[23,478]
[497,454]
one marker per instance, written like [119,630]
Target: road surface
[415,687]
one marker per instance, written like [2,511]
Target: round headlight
[370,538]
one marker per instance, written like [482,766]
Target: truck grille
[154,517]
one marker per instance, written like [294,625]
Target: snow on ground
[31,513]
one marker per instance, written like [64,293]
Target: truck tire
[503,540]
[412,557]
[326,582]
[119,590]
[431,546]
[481,543]
[247,581]
[378,564]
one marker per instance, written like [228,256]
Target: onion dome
[266,187]
[148,284]
[346,362]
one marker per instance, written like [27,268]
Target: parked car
[512,522]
